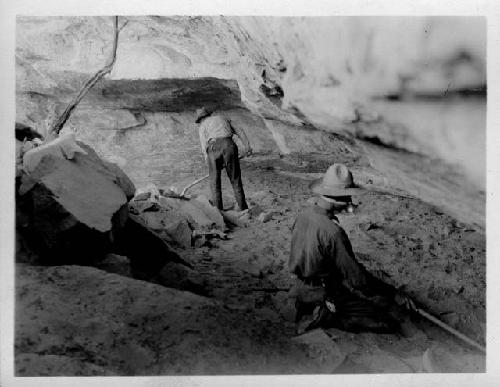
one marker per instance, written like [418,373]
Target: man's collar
[321,211]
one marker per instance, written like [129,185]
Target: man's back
[216,126]
[314,239]
[321,249]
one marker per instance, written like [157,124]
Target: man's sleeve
[203,140]
[241,134]
[354,274]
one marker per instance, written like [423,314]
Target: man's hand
[402,299]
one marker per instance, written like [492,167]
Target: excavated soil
[437,259]
[112,325]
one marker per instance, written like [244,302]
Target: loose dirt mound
[80,320]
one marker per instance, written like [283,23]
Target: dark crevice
[479,91]
[375,140]
[150,95]
[168,95]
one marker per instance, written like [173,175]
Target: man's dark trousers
[223,153]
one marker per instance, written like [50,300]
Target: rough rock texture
[176,219]
[147,251]
[202,215]
[63,147]
[264,51]
[70,210]
[117,264]
[281,71]
[79,320]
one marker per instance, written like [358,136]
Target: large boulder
[71,203]
[147,251]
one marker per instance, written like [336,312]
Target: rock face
[273,74]
[71,209]
[278,57]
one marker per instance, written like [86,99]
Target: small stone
[255,211]
[266,314]
[114,263]
[244,216]
[249,268]
[312,201]
[142,196]
[200,241]
[266,216]
[322,349]
[371,226]
[264,198]
[233,217]
[452,318]
[439,359]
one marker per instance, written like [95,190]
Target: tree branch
[58,125]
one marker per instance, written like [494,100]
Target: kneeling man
[331,284]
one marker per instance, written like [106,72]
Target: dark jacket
[321,250]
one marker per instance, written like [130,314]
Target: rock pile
[72,208]
[184,222]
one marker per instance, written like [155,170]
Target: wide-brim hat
[337,181]
[202,113]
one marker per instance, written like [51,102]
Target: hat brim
[319,188]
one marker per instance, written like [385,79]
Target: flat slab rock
[175,219]
[201,212]
[74,320]
[70,202]
[82,186]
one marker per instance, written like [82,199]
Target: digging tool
[449,329]
[182,194]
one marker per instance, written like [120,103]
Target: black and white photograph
[244,194]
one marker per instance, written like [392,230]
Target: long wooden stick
[193,183]
[198,181]
[449,329]
[58,125]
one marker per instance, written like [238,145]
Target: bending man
[331,284]
[220,152]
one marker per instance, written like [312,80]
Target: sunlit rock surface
[281,79]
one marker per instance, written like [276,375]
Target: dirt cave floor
[245,324]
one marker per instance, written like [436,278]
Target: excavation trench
[433,248]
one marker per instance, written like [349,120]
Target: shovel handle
[449,329]
[193,183]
